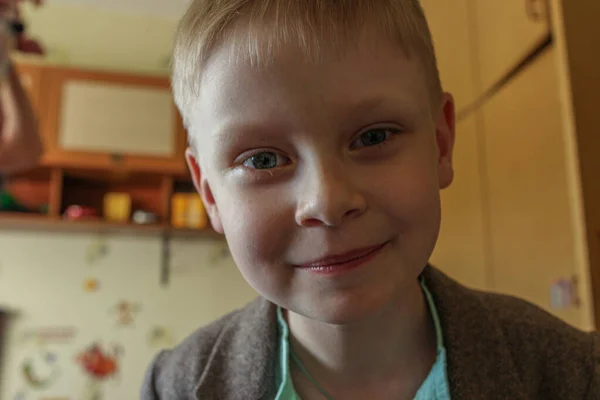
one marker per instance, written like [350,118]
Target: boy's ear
[202,186]
[445,135]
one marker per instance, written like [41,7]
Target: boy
[320,139]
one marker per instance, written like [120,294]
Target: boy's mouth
[345,261]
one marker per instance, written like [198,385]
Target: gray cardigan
[498,347]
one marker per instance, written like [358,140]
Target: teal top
[435,386]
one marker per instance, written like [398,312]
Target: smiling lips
[344,262]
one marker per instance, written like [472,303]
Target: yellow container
[196,213]
[179,206]
[117,207]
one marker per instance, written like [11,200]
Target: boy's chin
[346,310]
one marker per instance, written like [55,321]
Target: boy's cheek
[257,228]
[259,246]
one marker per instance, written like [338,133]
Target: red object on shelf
[77,212]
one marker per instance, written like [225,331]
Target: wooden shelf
[40,222]
[77,170]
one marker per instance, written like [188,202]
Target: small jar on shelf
[188,211]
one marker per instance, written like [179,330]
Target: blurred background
[106,256]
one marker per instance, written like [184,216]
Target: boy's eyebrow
[380,106]
[367,104]
[379,101]
[354,112]
[232,131]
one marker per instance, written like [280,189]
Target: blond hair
[259,27]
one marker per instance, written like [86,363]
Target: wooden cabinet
[449,24]
[577,30]
[531,226]
[52,199]
[106,133]
[505,32]
[460,251]
[532,220]
[108,121]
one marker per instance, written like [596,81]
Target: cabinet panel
[532,234]
[109,121]
[506,31]
[114,118]
[460,251]
[449,24]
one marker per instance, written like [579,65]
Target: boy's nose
[328,199]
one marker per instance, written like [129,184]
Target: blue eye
[264,160]
[373,137]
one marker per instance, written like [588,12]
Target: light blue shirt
[435,386]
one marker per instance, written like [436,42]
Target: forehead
[370,70]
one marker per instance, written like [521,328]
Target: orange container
[196,213]
[117,207]
[179,206]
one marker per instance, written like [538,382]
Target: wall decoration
[91,285]
[564,293]
[97,250]
[39,366]
[160,337]
[30,369]
[126,312]
[99,365]
[50,335]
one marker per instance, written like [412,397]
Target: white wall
[158,8]
[100,37]
[41,277]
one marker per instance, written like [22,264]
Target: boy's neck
[391,353]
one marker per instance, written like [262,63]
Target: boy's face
[300,161]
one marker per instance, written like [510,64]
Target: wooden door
[452,36]
[505,32]
[532,231]
[461,247]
